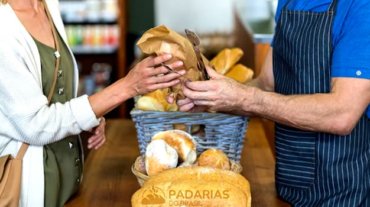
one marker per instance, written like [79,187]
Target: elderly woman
[34,51]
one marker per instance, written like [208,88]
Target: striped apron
[312,168]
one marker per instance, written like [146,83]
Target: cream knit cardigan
[24,113]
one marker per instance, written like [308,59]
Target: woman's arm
[24,111]
[143,78]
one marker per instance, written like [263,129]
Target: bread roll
[161,96]
[225,59]
[214,158]
[147,103]
[156,101]
[194,186]
[240,73]
[182,142]
[159,156]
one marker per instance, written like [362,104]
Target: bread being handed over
[160,40]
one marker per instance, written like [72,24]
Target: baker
[315,85]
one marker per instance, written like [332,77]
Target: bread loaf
[182,142]
[147,103]
[159,156]
[240,73]
[161,96]
[214,158]
[156,101]
[194,186]
[226,59]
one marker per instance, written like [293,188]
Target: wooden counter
[108,181]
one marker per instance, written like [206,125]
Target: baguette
[240,73]
[226,59]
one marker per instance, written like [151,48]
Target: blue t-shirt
[351,34]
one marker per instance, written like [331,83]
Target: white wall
[202,16]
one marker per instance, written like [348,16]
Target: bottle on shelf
[93,38]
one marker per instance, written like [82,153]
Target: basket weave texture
[222,131]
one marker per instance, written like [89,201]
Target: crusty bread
[240,73]
[214,158]
[159,156]
[225,59]
[182,142]
[147,103]
[207,173]
[161,96]
[194,185]
[156,101]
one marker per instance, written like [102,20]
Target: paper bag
[160,40]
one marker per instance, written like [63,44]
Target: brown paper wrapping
[160,40]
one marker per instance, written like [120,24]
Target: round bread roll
[194,186]
[159,156]
[214,158]
[182,142]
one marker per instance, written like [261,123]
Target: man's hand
[218,94]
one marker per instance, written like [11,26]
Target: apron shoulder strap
[333,5]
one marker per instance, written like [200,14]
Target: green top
[62,160]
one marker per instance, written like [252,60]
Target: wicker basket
[221,131]
[141,177]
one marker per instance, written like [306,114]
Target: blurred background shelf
[89,22]
[87,50]
[96,32]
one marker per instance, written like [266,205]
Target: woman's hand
[98,138]
[148,75]
[218,94]
[145,77]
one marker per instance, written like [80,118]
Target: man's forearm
[318,112]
